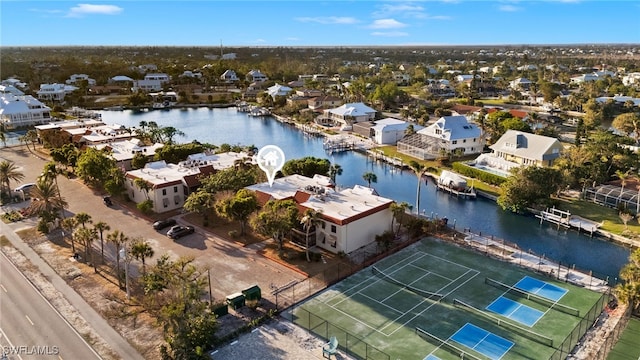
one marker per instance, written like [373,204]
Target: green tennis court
[434,300]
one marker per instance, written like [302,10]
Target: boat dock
[379,155]
[338,145]
[469,193]
[566,220]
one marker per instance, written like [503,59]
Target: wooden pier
[568,221]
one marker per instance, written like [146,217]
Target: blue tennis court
[482,341]
[515,311]
[431,357]
[541,288]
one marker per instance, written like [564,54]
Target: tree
[83,218]
[141,250]
[238,207]
[201,202]
[118,239]
[50,172]
[276,219]
[139,161]
[625,217]
[418,169]
[168,133]
[69,225]
[94,166]
[46,202]
[232,179]
[101,227]
[370,177]
[173,294]
[398,210]
[8,172]
[629,124]
[306,166]
[144,186]
[334,171]
[529,186]
[310,219]
[628,292]
[86,237]
[623,176]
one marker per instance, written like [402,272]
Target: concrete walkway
[116,342]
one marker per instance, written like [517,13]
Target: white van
[25,187]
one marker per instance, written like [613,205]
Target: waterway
[219,126]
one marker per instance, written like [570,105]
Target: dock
[568,221]
[468,193]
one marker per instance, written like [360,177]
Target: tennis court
[434,300]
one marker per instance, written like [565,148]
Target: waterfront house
[77,78]
[320,103]
[516,148]
[54,92]
[449,134]
[385,131]
[278,90]
[21,111]
[151,82]
[350,218]
[347,115]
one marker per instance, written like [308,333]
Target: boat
[259,111]
[455,184]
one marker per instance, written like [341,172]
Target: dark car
[107,201]
[179,231]
[161,224]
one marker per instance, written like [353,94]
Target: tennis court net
[445,344]
[421,292]
[533,297]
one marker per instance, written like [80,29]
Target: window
[176,199]
[324,224]
[333,229]
[164,191]
[175,189]
[165,202]
[454,142]
[464,141]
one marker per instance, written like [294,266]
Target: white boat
[455,184]
[259,111]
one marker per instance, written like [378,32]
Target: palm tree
[69,225]
[623,176]
[370,177]
[9,171]
[86,237]
[143,185]
[141,250]
[46,199]
[398,211]
[310,218]
[3,138]
[101,227]
[118,238]
[51,172]
[83,218]
[334,171]
[419,170]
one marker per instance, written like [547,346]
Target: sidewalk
[99,326]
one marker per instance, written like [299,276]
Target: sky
[317,22]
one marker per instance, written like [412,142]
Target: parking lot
[234,267]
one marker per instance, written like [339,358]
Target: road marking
[3,288]
[31,322]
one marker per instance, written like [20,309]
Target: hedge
[470,171]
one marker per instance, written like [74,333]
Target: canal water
[219,126]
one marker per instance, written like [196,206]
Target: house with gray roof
[348,114]
[23,110]
[448,134]
[527,149]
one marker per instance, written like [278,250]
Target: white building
[278,90]
[55,92]
[384,132]
[171,184]
[520,84]
[256,76]
[229,76]
[151,82]
[20,111]
[350,218]
[631,79]
[75,78]
[349,114]
[124,151]
[10,89]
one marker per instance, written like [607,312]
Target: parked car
[25,187]
[107,201]
[178,231]
[161,224]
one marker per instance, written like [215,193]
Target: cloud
[407,10]
[343,20]
[508,8]
[88,9]
[386,24]
[390,33]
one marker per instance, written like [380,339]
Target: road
[30,328]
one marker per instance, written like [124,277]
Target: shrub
[146,207]
[483,176]
[233,234]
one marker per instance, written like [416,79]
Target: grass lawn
[627,347]
[599,213]
[368,313]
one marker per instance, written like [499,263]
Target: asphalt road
[30,327]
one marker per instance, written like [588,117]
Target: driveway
[232,267]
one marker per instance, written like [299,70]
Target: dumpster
[252,293]
[235,301]
[221,309]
